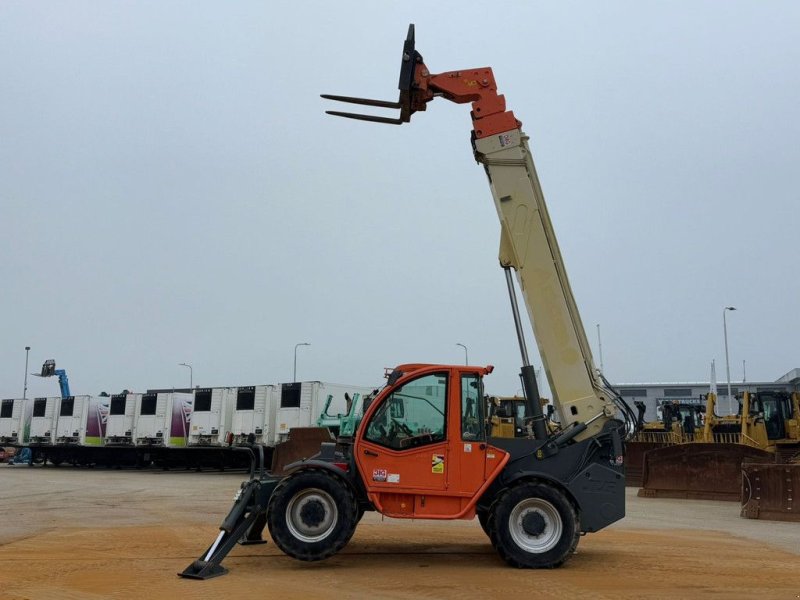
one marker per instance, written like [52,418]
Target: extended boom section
[527,240]
[528,245]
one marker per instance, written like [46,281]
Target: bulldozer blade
[770,491]
[634,460]
[303,442]
[698,471]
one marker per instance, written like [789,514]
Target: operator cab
[775,408]
[422,447]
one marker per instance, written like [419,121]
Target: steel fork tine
[364,101]
[360,117]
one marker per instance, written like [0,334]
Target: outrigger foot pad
[200,569]
[244,525]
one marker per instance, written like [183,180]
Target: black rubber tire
[338,533]
[483,519]
[550,499]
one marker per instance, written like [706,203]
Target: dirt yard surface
[95,534]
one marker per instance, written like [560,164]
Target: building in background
[654,394]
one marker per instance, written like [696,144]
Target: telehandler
[420,451]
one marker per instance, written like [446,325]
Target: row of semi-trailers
[199,427]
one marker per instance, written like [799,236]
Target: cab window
[412,416]
[472,419]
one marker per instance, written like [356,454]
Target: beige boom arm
[527,242]
[528,245]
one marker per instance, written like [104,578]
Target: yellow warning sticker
[437,463]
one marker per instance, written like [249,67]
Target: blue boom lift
[49,369]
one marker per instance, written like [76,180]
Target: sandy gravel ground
[94,534]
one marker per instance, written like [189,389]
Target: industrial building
[654,394]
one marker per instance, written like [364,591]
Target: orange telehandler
[422,449]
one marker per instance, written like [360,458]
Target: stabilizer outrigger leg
[244,524]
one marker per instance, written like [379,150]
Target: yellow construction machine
[708,464]
[678,423]
[509,416]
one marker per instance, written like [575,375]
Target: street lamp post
[727,362]
[25,388]
[190,372]
[466,353]
[296,346]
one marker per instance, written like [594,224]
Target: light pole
[25,389]
[466,353]
[727,363]
[190,372]
[296,346]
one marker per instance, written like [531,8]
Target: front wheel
[312,515]
[534,525]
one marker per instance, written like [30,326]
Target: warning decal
[437,463]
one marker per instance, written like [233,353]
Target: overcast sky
[171,190]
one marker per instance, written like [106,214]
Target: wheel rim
[311,515]
[546,514]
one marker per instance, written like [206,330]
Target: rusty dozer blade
[303,442]
[406,103]
[770,492]
[698,471]
[634,460]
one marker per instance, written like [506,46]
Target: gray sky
[170,189]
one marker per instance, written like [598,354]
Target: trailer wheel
[312,515]
[534,525]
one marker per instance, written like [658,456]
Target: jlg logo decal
[379,474]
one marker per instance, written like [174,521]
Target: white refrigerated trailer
[254,414]
[43,420]
[211,416]
[121,413]
[162,419]
[302,403]
[81,420]
[15,415]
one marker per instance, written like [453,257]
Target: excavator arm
[527,240]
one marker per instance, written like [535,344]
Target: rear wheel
[483,519]
[534,525]
[312,515]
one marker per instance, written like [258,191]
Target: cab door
[403,450]
[470,448]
